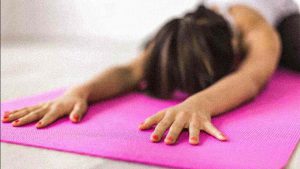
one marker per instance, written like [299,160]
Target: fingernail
[155,137]
[15,122]
[6,116]
[194,139]
[223,137]
[76,117]
[169,139]
[38,124]
[5,119]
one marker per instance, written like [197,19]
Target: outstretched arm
[74,102]
[111,82]
[260,63]
[244,84]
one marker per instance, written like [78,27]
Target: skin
[195,113]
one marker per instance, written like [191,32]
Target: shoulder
[253,26]
[262,41]
[247,18]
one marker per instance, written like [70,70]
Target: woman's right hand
[48,112]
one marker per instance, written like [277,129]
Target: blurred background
[119,20]
[51,44]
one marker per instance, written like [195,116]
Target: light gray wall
[116,19]
[130,19]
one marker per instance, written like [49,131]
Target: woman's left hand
[177,118]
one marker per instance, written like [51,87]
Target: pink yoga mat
[262,134]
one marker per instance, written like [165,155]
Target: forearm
[225,94]
[250,78]
[109,83]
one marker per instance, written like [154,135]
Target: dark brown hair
[189,54]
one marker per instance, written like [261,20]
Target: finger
[194,132]
[51,116]
[161,127]
[5,116]
[212,130]
[28,108]
[174,132]
[32,116]
[78,111]
[152,120]
[11,116]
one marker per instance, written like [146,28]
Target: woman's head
[189,53]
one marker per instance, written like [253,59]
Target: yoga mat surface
[262,133]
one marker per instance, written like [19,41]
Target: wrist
[200,103]
[80,91]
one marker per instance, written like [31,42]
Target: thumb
[78,111]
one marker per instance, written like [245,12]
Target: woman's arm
[74,102]
[261,61]
[244,84]
[111,82]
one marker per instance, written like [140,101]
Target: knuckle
[158,130]
[56,112]
[57,106]
[26,109]
[81,104]
[182,117]
[12,116]
[84,103]
[184,113]
[49,116]
[200,117]
[34,115]
[45,105]
[170,112]
[194,125]
[206,123]
[53,106]
[42,110]
[63,113]
[176,126]
[186,125]
[163,124]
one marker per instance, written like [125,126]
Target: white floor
[29,67]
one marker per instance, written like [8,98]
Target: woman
[222,55]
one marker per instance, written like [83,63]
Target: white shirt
[272,10]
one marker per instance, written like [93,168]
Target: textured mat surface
[262,134]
